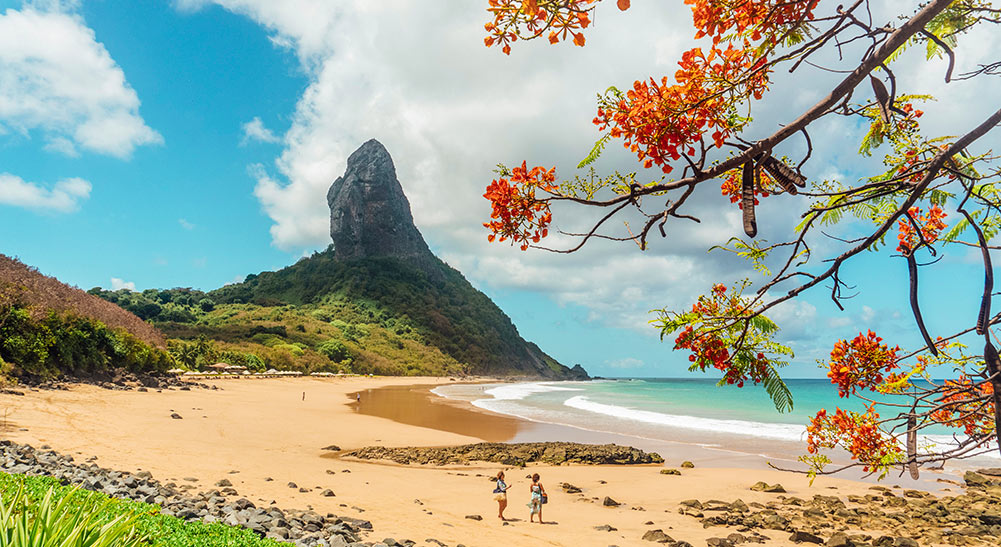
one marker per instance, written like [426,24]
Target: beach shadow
[509,519]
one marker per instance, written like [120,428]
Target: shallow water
[693,412]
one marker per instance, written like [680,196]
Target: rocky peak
[369,213]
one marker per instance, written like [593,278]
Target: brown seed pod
[747,199]
[912,446]
[993,363]
[783,175]
[882,97]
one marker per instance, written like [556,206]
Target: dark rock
[332,448]
[990,472]
[609,502]
[474,517]
[839,539]
[670,472]
[224,482]
[800,536]
[567,487]
[975,479]
[687,465]
[657,536]
[606,528]
[369,213]
[176,416]
[554,453]
[719,542]
[328,493]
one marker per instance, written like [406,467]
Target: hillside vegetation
[436,306]
[379,316]
[49,329]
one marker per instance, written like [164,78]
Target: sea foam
[784,432]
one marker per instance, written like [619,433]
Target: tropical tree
[694,130]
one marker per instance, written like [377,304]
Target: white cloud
[185,224]
[627,362]
[58,81]
[63,197]
[415,76]
[119,284]
[255,131]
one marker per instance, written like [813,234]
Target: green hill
[440,309]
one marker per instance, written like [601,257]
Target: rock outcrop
[553,453]
[369,213]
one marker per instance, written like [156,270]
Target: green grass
[161,530]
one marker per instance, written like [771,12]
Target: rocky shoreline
[118,379]
[222,504]
[910,518]
[516,454]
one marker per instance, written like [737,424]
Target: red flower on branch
[860,364]
[931,226]
[968,406]
[517,213]
[858,433]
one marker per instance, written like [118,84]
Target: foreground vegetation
[65,343]
[104,520]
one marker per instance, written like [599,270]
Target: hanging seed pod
[912,271]
[747,199]
[783,175]
[912,446]
[993,369]
[882,97]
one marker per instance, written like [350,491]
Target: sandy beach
[253,430]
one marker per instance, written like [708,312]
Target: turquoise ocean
[659,413]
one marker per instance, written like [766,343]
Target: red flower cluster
[758,18]
[517,213]
[660,121]
[967,405]
[931,226]
[563,18]
[857,433]
[708,350]
[860,364]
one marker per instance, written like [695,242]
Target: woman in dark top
[500,495]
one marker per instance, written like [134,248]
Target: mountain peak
[369,213]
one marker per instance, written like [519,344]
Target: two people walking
[539,497]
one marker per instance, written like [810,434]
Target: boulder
[609,502]
[800,536]
[657,536]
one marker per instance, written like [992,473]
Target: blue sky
[189,143]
